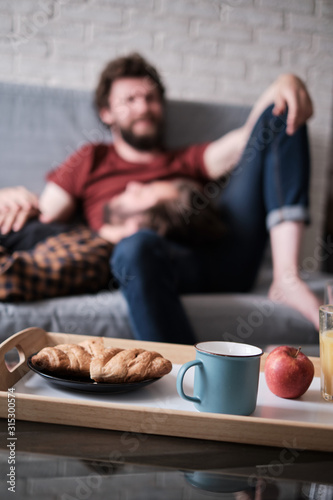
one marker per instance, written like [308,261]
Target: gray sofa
[39,127]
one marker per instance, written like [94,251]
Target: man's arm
[55,204]
[288,90]
[17,205]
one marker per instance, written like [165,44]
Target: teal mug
[226,377]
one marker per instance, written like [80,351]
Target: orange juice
[326,362]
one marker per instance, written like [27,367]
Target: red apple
[288,372]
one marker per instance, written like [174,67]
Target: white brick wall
[206,50]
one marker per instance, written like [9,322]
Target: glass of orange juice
[326,350]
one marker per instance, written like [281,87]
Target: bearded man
[266,195]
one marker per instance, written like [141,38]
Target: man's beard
[116,215]
[144,142]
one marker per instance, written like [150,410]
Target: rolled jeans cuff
[287,213]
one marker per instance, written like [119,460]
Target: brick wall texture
[212,50]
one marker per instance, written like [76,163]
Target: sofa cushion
[246,318]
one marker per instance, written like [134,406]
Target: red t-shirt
[95,173]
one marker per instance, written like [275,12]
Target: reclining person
[173,209]
[176,210]
[44,260]
[265,194]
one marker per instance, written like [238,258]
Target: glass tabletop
[54,461]
[69,478]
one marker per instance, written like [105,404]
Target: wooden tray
[104,415]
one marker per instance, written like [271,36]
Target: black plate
[88,385]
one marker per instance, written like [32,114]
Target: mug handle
[180,378]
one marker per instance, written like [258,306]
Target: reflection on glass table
[58,462]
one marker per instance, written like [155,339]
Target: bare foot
[294,293]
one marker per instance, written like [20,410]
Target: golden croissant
[102,364]
[128,365]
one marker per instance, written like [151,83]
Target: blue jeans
[269,185]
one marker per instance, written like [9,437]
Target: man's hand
[114,234]
[290,91]
[17,205]
[287,91]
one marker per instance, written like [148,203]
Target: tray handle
[26,342]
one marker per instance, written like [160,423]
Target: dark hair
[133,65]
[191,219]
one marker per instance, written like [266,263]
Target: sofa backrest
[41,126]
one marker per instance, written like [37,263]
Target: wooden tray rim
[117,416]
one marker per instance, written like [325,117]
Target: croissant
[102,364]
[64,359]
[128,365]
[94,346]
